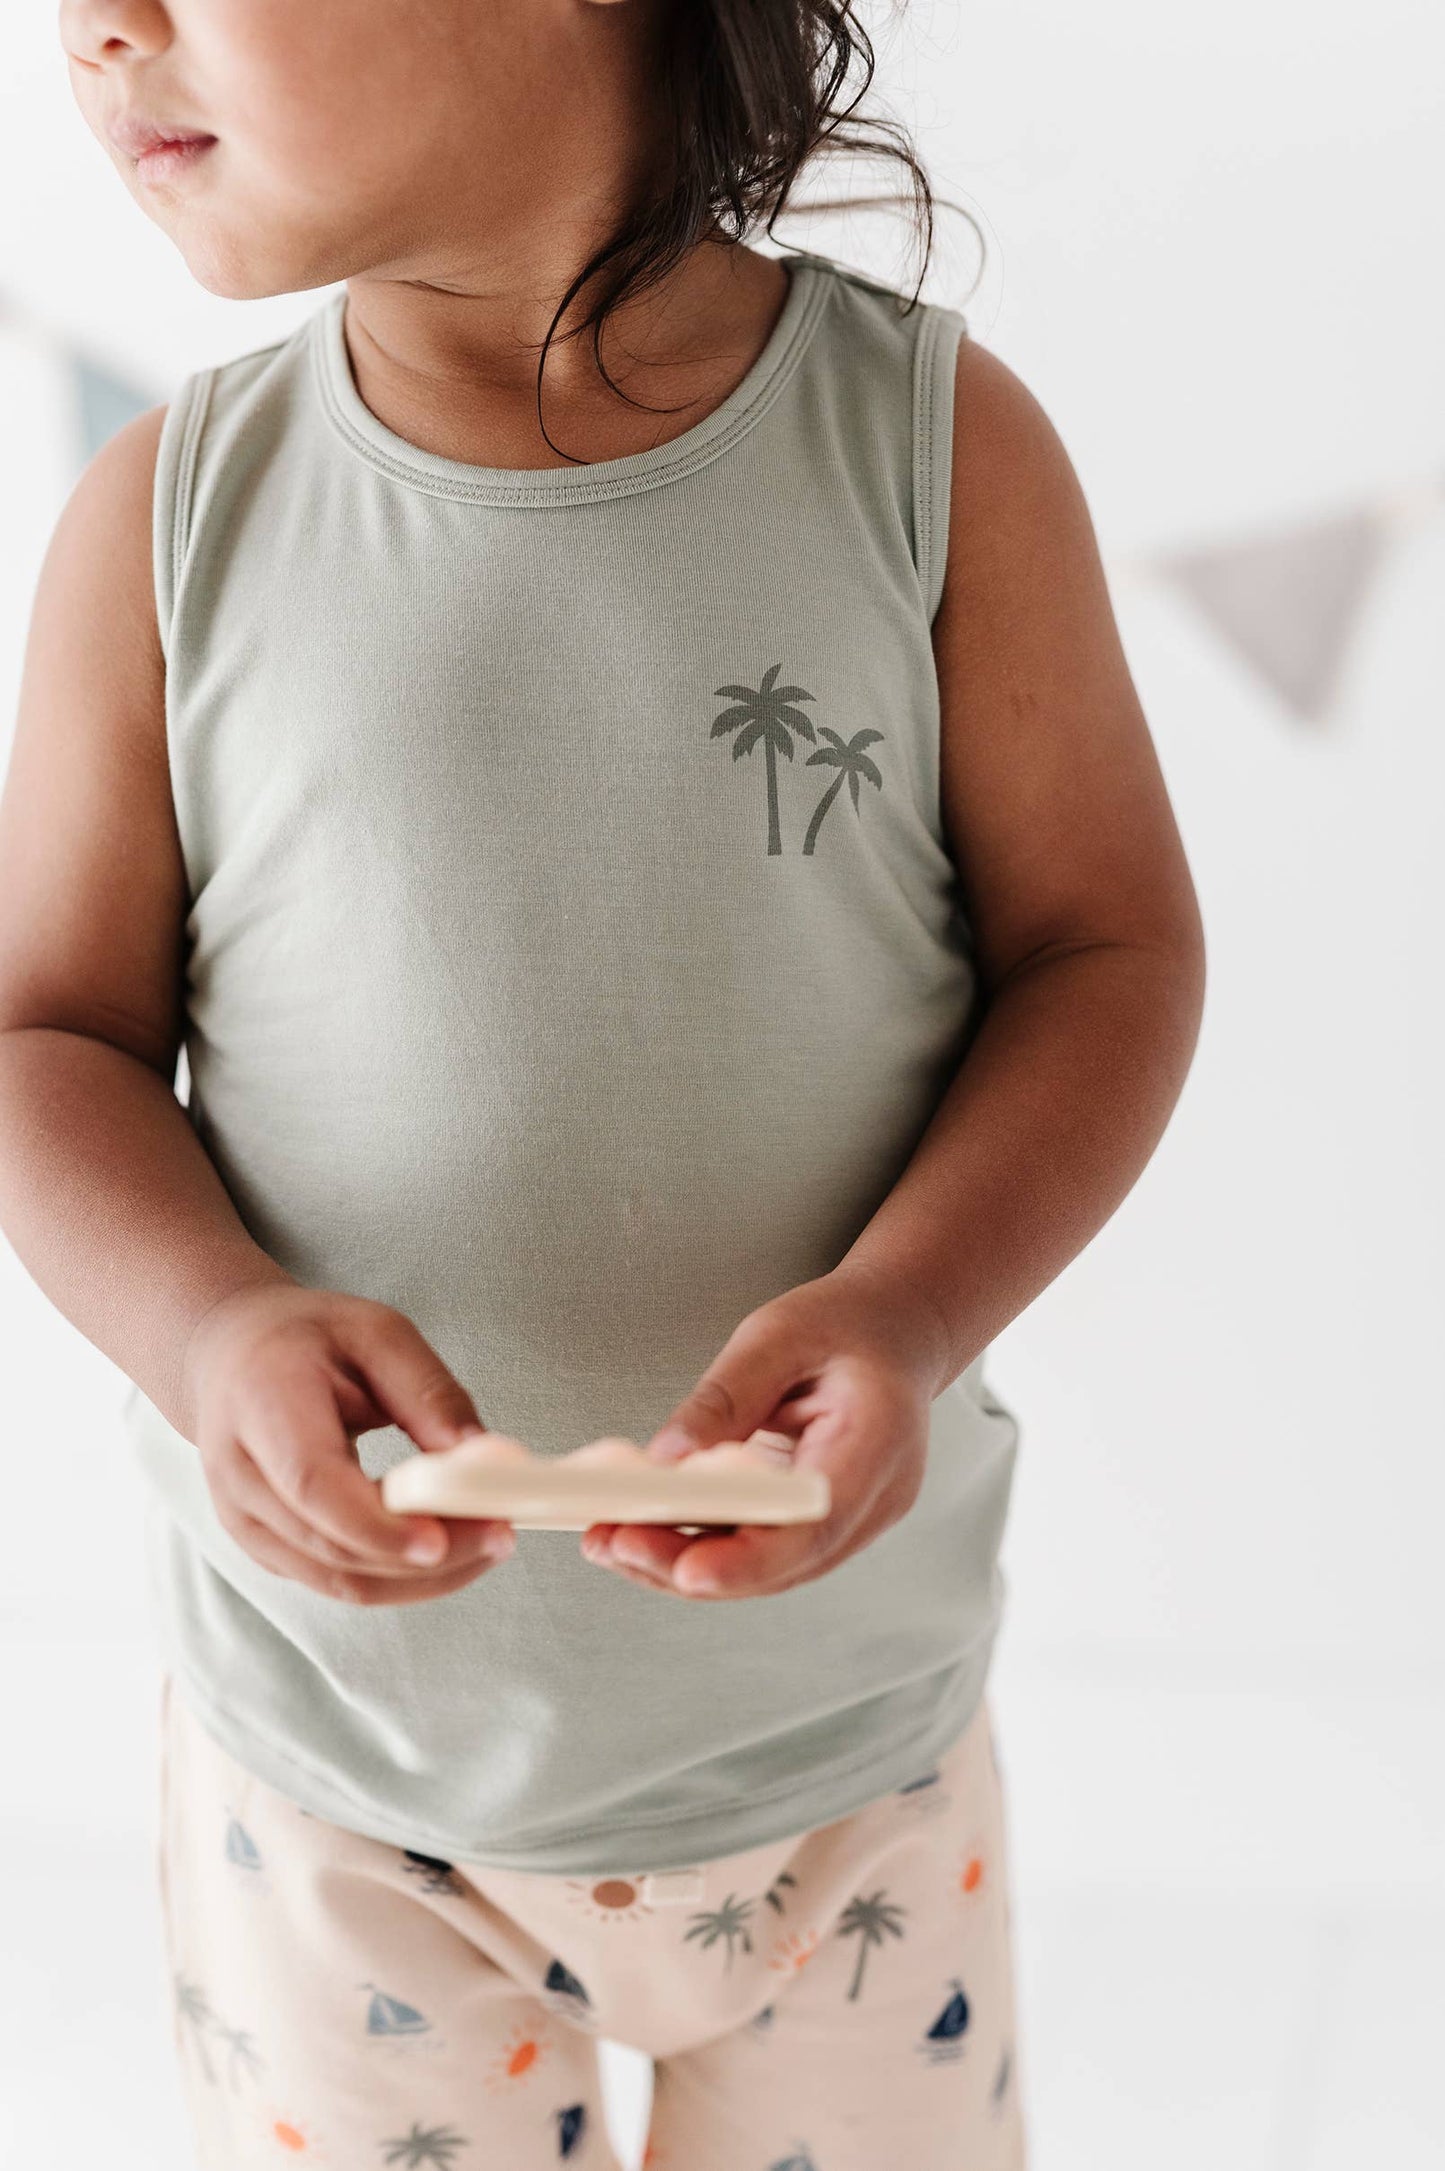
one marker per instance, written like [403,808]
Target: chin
[236,276]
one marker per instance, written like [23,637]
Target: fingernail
[669,1446]
[426,1548]
[500,1547]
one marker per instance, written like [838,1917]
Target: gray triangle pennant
[104,402]
[1288,602]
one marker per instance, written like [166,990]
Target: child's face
[405,140]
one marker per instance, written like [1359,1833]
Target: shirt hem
[605,1848]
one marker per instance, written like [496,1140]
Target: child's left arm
[1090,953]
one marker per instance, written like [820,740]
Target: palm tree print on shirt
[850,761]
[766,715]
[870,1921]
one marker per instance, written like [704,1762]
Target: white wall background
[1214,248]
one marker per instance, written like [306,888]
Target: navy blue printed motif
[563,1983]
[944,2040]
[571,2126]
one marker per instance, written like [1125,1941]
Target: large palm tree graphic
[766,714]
[850,761]
[869,1920]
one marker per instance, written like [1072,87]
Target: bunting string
[1285,599]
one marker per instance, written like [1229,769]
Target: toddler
[608,751]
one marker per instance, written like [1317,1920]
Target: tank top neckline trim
[810,281]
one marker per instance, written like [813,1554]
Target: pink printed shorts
[840,2000]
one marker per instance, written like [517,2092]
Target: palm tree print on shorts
[193,2008]
[850,761]
[728,1921]
[771,1896]
[764,714]
[243,2054]
[425,2148]
[870,1921]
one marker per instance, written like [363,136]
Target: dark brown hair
[750,93]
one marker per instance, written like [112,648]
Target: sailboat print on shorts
[386,2015]
[240,1847]
[565,1994]
[943,2044]
[571,2126]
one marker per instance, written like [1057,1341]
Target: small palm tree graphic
[850,761]
[728,1921]
[425,2148]
[766,714]
[243,2052]
[193,2006]
[784,1877]
[870,1920]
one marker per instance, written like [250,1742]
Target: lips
[135,137]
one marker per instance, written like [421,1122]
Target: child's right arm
[106,1193]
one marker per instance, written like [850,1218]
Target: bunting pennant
[103,402]
[1286,601]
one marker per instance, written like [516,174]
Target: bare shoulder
[92,888]
[1053,795]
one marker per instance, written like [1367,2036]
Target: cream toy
[610,1481]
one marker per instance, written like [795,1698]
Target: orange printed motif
[518,2056]
[793,1952]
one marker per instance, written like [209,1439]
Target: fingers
[863,1438]
[756,1368]
[355,1587]
[409,1380]
[293,1431]
[475,1543]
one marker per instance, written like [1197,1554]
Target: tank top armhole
[177,453]
[935,358]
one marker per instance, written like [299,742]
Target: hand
[846,1365]
[281,1378]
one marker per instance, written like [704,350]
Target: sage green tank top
[575,959]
